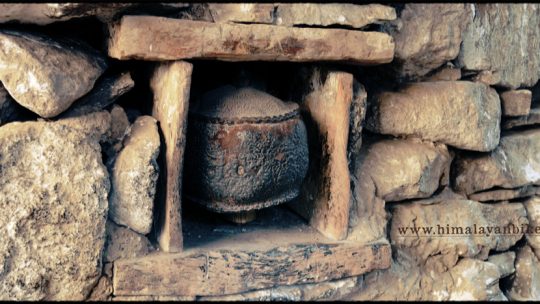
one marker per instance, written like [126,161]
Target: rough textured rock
[119,123]
[428,35]
[242,12]
[463,114]
[533,214]
[157,38]
[469,279]
[503,194]
[46,76]
[511,25]
[514,163]
[487,77]
[134,177]
[445,74]
[505,262]
[324,14]
[123,243]
[456,227]
[53,190]
[525,283]
[404,169]
[326,291]
[105,92]
[532,119]
[516,102]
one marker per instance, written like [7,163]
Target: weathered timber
[158,38]
[171,86]
[326,194]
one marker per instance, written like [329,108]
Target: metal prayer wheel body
[245,150]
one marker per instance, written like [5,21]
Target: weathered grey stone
[459,228]
[533,214]
[119,123]
[469,279]
[532,119]
[525,283]
[405,169]
[514,163]
[134,177]
[123,243]
[46,76]
[516,102]
[503,194]
[463,114]
[505,262]
[503,37]
[428,35]
[105,92]
[46,13]
[53,193]
[324,14]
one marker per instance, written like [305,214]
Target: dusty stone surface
[469,279]
[505,262]
[54,191]
[174,39]
[404,169]
[326,291]
[462,114]
[242,12]
[514,163]
[443,246]
[134,177]
[119,123]
[427,35]
[493,25]
[153,298]
[324,14]
[503,194]
[516,102]
[533,214]
[488,77]
[46,76]
[123,243]
[525,283]
[445,74]
[532,119]
[105,92]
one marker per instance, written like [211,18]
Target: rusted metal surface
[246,150]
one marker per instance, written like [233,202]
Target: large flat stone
[462,114]
[157,38]
[514,163]
[44,75]
[53,193]
[514,26]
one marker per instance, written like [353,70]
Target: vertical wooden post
[171,84]
[326,193]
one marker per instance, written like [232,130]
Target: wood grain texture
[326,193]
[158,38]
[171,86]
[220,272]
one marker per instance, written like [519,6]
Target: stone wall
[427,117]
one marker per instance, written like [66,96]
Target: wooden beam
[171,83]
[326,193]
[221,272]
[159,38]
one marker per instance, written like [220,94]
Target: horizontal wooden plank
[220,272]
[159,38]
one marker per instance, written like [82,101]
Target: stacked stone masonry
[423,123]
